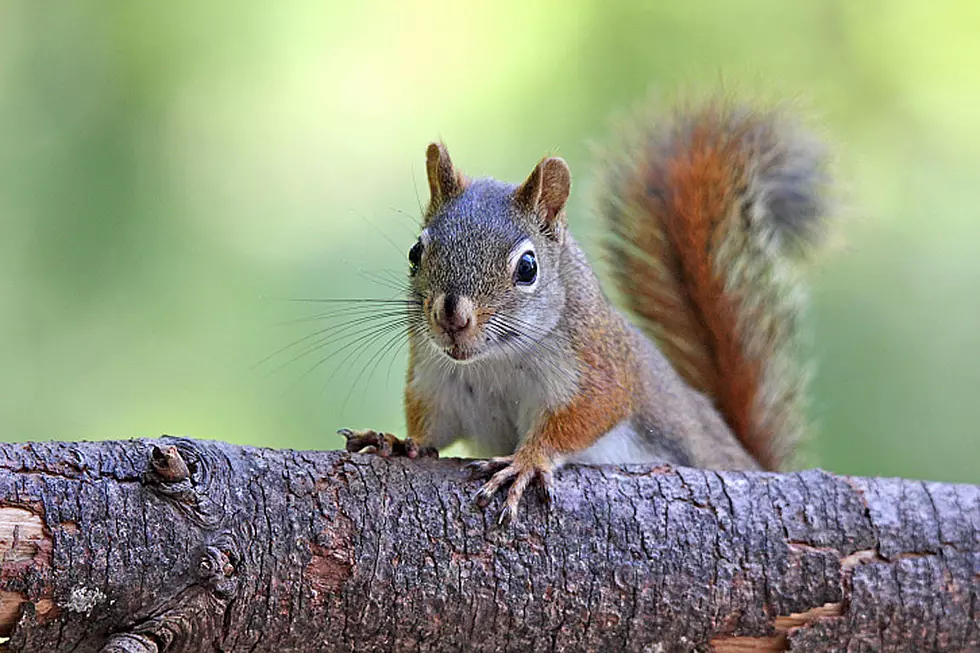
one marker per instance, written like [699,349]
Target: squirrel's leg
[530,463]
[385,445]
[573,428]
[427,432]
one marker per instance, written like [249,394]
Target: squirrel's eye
[415,257]
[527,269]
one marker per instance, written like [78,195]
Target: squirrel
[514,347]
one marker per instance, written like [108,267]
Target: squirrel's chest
[491,418]
[492,406]
[495,407]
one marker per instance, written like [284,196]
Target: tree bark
[179,546]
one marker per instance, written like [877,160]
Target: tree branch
[203,546]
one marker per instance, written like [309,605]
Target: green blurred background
[167,168]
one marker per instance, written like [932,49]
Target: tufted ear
[445,182]
[545,192]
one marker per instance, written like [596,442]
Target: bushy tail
[706,212]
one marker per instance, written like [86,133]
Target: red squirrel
[515,348]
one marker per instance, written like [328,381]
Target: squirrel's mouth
[459,354]
[460,348]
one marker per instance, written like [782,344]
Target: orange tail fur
[705,213]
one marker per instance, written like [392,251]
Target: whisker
[345,311]
[376,228]
[396,276]
[381,281]
[535,332]
[418,199]
[530,345]
[538,363]
[398,282]
[361,338]
[395,356]
[375,358]
[335,332]
[415,221]
[365,341]
[340,300]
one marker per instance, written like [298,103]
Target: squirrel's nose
[454,313]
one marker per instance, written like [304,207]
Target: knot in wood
[180,472]
[168,464]
[130,643]
[218,571]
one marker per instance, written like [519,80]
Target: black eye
[415,257]
[527,269]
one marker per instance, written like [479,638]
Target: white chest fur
[492,403]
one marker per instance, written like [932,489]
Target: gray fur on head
[471,233]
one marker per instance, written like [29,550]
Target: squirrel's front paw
[385,445]
[516,472]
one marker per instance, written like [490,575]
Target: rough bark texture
[202,546]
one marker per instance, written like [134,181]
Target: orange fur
[604,399]
[415,410]
[703,184]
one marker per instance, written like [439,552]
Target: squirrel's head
[485,267]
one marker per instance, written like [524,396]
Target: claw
[482,498]
[546,487]
[367,441]
[518,474]
[411,449]
[385,445]
[506,516]
[486,468]
[475,469]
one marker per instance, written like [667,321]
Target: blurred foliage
[168,168]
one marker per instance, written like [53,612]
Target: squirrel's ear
[445,182]
[545,192]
